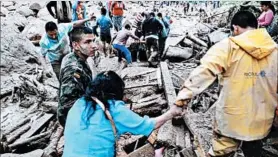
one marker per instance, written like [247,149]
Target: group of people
[92,109]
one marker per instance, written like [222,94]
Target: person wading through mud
[100,117]
[75,72]
[246,67]
[55,42]
[151,28]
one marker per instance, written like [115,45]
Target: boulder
[36,28]
[4,11]
[7,4]
[44,15]
[11,8]
[25,11]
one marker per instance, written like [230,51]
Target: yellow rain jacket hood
[246,68]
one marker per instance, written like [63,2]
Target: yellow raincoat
[246,66]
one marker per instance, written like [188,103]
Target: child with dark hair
[267,16]
[97,119]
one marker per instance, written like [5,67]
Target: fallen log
[196,40]
[178,52]
[29,140]
[37,125]
[35,153]
[17,135]
[20,124]
[50,150]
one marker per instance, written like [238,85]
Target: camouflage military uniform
[75,76]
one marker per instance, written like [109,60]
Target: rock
[11,8]
[216,36]
[44,15]
[36,28]
[179,52]
[4,11]
[7,4]
[35,153]
[25,11]
[35,6]
[20,21]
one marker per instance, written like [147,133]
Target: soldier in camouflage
[75,73]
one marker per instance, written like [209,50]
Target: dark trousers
[161,44]
[153,54]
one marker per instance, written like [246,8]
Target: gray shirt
[122,37]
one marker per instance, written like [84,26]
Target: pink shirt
[265,18]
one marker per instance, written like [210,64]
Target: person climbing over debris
[267,16]
[63,11]
[97,119]
[75,71]
[119,43]
[104,23]
[55,42]
[163,34]
[117,9]
[246,67]
[151,28]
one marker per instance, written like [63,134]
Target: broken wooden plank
[143,85]
[37,125]
[187,152]
[143,73]
[35,153]
[50,150]
[159,78]
[50,106]
[168,83]
[144,104]
[180,137]
[145,151]
[149,98]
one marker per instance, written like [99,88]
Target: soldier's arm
[70,90]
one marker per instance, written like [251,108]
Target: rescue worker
[117,9]
[104,23]
[163,34]
[151,28]
[75,72]
[78,10]
[63,11]
[119,43]
[90,131]
[246,67]
[55,42]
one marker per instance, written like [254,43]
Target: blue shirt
[164,32]
[104,24]
[89,134]
[54,50]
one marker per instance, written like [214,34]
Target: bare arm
[174,111]
[81,22]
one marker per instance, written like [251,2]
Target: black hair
[268,3]
[103,11]
[143,14]
[76,33]
[107,85]
[244,19]
[159,14]
[152,14]
[50,26]
[127,26]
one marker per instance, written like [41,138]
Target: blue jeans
[123,51]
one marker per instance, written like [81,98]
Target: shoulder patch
[76,75]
